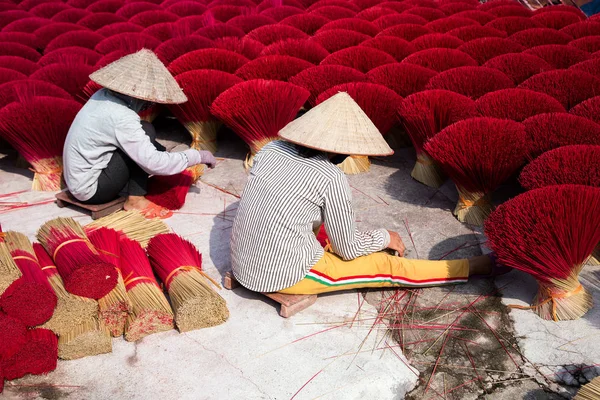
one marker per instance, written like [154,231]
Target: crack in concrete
[222,357]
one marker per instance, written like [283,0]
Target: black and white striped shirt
[273,245]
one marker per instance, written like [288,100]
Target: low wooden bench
[64,199]
[290,303]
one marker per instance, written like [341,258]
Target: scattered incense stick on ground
[83,272]
[132,224]
[13,335]
[115,306]
[71,310]
[37,356]
[179,265]
[30,298]
[591,391]
[9,272]
[88,338]
[151,312]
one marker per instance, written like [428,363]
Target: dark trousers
[122,174]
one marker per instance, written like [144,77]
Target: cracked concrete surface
[259,355]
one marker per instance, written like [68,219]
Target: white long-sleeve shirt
[273,245]
[103,125]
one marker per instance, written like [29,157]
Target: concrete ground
[338,348]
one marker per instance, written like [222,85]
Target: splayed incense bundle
[84,273]
[9,272]
[88,338]
[115,306]
[475,155]
[179,265]
[591,391]
[71,310]
[131,224]
[549,233]
[257,110]
[151,312]
[37,356]
[30,298]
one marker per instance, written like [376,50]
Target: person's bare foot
[146,207]
[480,265]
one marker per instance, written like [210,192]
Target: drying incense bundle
[395,47]
[275,67]
[72,77]
[219,30]
[588,109]
[257,110]
[281,12]
[361,58]
[115,306]
[423,115]
[130,41]
[248,23]
[83,272]
[549,131]
[353,24]
[512,25]
[37,356]
[518,66]
[151,312]
[245,46]
[582,29]
[270,34]
[30,298]
[567,86]
[472,32]
[170,191]
[219,59]
[517,104]
[70,55]
[9,272]
[153,17]
[475,155]
[18,64]
[403,78]
[70,310]
[87,338]
[388,21]
[131,224]
[201,88]
[37,128]
[71,15]
[85,39]
[437,40]
[516,10]
[556,20]
[13,335]
[591,44]
[591,391]
[549,233]
[430,14]
[337,39]
[445,25]
[440,60]
[472,82]
[179,265]
[591,67]
[334,12]
[130,10]
[173,48]
[96,21]
[560,56]
[406,31]
[306,50]
[539,37]
[320,78]
[307,23]
[484,49]
[19,50]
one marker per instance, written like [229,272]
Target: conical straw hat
[143,76]
[338,125]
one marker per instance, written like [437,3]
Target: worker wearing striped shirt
[294,186]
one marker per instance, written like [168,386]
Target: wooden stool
[65,198]
[290,303]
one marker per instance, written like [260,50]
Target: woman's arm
[137,145]
[346,240]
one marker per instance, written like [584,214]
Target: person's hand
[207,158]
[396,243]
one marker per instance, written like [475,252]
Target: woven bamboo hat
[338,125]
[143,76]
